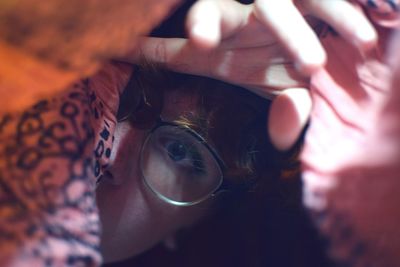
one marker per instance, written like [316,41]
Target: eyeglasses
[179,166]
[176,163]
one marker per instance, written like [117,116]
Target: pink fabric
[48,213]
[351,159]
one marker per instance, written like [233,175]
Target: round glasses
[179,166]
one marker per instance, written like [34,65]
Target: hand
[284,19]
[351,156]
[211,22]
[242,44]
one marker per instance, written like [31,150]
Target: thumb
[209,21]
[289,114]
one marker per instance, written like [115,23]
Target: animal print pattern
[104,135]
[48,214]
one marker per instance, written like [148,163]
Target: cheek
[133,218]
[120,194]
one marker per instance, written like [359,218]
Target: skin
[350,165]
[48,209]
[24,88]
[256,46]
[134,219]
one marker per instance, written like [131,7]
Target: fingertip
[310,60]
[366,38]
[288,116]
[203,24]
[307,69]
[349,20]
[293,32]
[203,36]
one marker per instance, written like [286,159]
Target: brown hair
[230,118]
[245,229]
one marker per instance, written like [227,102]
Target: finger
[270,82]
[262,70]
[289,26]
[346,19]
[209,21]
[288,116]
[158,50]
[257,69]
[176,53]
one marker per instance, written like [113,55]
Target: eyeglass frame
[223,184]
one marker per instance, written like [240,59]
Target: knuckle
[160,52]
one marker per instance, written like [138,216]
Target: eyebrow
[195,122]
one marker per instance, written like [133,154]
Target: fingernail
[311,58]
[205,35]
[310,61]
[199,30]
[366,34]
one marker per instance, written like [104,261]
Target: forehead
[179,103]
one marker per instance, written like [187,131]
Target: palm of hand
[351,157]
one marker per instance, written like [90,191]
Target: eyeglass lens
[178,166]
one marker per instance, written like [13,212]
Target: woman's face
[133,218]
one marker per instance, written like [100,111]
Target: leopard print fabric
[48,165]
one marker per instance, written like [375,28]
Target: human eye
[185,155]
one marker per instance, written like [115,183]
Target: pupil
[176,151]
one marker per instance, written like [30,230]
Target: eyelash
[197,165]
